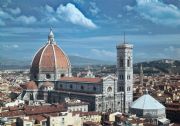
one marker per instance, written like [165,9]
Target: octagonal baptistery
[148,107]
[50,63]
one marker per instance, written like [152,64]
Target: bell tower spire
[51,36]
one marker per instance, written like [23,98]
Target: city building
[52,81]
[148,107]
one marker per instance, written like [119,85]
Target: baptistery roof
[147,102]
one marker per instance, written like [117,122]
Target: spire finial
[51,28]
[124,38]
[146,91]
[51,36]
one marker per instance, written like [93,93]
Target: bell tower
[125,74]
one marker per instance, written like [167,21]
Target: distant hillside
[6,63]
[159,66]
[76,60]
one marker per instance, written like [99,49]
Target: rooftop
[82,80]
[147,102]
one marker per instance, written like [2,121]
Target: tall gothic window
[94,88]
[121,77]
[128,88]
[82,87]
[121,63]
[128,62]
[121,88]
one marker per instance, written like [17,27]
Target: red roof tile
[50,57]
[31,85]
[78,79]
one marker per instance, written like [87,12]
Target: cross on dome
[51,36]
[146,91]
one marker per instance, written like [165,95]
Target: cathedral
[51,80]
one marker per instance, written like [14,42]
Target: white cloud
[103,53]
[15,11]
[79,1]
[159,12]
[93,8]
[119,16]
[2,23]
[4,16]
[15,46]
[172,52]
[10,46]
[26,19]
[129,8]
[72,14]
[50,15]
[49,9]
[5,3]
[146,1]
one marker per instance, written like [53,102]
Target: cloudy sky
[91,28]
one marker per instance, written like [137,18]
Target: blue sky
[91,28]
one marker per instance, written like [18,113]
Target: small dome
[31,85]
[47,84]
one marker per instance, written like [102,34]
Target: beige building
[74,118]
[64,120]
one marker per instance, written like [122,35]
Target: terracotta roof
[86,113]
[50,57]
[34,110]
[31,85]
[38,118]
[79,79]
[44,109]
[90,123]
[11,113]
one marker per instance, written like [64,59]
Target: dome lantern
[51,36]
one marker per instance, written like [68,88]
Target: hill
[6,63]
[159,66]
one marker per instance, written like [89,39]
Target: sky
[91,28]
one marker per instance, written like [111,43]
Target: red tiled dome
[31,85]
[50,61]
[50,57]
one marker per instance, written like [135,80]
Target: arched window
[109,89]
[62,75]
[128,77]
[128,88]
[121,88]
[31,96]
[121,77]
[35,76]
[94,88]
[48,76]
[121,62]
[128,62]
[71,86]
